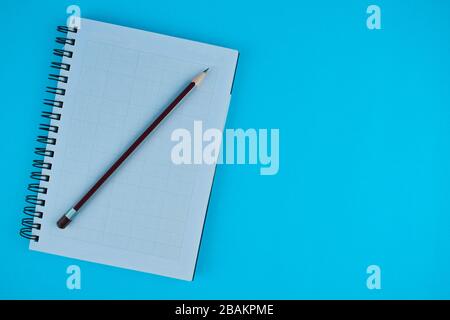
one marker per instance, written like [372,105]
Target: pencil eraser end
[63,222]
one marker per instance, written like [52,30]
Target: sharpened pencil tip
[199,78]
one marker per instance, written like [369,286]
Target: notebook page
[149,215]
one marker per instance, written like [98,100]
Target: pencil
[67,218]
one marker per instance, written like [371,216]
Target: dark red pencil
[72,212]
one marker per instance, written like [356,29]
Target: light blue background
[365,150]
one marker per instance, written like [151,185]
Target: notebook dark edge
[234,75]
[212,184]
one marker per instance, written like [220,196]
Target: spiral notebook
[107,85]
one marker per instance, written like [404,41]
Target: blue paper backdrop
[364,150]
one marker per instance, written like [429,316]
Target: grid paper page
[149,215]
